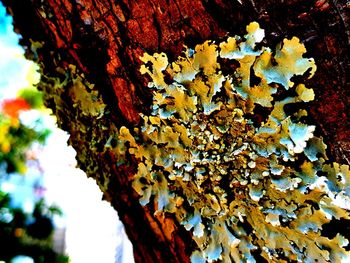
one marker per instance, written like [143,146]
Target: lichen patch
[241,187]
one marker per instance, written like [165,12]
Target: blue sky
[7,36]
[15,71]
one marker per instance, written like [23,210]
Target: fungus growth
[244,183]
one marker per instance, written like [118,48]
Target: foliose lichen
[242,186]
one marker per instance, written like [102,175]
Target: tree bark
[104,40]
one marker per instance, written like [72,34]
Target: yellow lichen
[239,186]
[84,96]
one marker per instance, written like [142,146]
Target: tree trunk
[104,41]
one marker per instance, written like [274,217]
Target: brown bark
[105,39]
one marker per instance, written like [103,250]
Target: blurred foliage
[21,233]
[15,137]
[27,234]
[33,97]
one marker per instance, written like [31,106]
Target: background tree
[90,51]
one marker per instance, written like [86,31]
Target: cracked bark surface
[104,40]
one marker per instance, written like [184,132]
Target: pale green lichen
[239,187]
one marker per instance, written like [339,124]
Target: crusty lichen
[239,186]
[80,109]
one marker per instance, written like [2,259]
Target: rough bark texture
[104,40]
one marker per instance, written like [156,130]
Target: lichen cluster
[226,152]
[87,120]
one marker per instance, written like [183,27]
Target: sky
[93,230]
[12,62]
